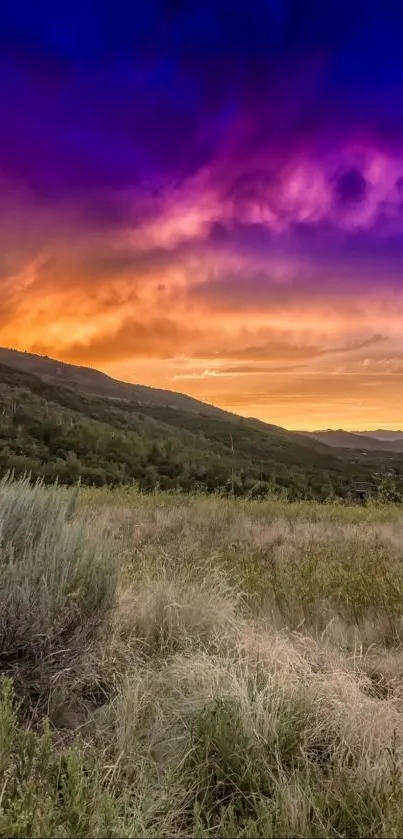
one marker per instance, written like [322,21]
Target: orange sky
[210,202]
[308,354]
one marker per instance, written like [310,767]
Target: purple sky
[208,197]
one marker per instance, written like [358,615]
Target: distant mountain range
[381,440]
[382,434]
[61,420]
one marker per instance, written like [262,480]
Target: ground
[197,666]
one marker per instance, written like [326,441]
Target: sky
[207,196]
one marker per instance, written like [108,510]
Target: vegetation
[176,665]
[65,422]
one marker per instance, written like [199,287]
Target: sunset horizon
[209,200]
[293,427]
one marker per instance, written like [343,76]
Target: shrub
[58,578]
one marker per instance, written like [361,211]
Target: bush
[58,577]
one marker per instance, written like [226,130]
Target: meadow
[189,665]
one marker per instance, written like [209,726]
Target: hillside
[97,383]
[58,420]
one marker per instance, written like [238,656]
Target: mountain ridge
[52,369]
[340,438]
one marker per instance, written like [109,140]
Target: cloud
[193,186]
[328,390]
[279,349]
[256,369]
[390,365]
[351,186]
[156,338]
[222,371]
[304,190]
[359,345]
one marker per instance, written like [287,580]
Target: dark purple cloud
[351,186]
[103,96]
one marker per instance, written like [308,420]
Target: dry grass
[242,676]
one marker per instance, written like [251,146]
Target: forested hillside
[61,421]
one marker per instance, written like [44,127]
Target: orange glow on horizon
[287,340]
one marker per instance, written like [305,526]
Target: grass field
[194,666]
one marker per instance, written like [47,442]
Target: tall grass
[239,676]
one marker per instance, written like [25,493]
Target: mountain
[362,440]
[382,434]
[61,420]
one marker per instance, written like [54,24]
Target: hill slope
[65,421]
[97,383]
